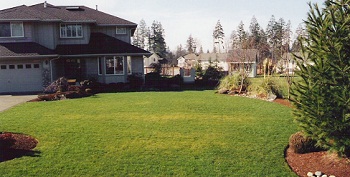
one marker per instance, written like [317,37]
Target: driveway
[8,101]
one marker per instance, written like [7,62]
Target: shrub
[233,82]
[212,73]
[301,144]
[269,86]
[153,78]
[135,81]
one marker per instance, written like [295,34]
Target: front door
[73,69]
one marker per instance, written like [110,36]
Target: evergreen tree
[322,97]
[157,41]
[140,38]
[218,36]
[242,36]
[254,34]
[191,44]
[201,50]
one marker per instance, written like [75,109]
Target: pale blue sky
[180,18]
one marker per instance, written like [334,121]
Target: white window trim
[72,37]
[129,61]
[21,23]
[118,32]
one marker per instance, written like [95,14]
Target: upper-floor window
[121,30]
[71,31]
[11,29]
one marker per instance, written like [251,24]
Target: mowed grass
[190,133]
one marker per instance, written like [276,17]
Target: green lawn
[190,133]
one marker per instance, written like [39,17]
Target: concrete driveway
[8,101]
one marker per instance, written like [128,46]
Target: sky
[182,18]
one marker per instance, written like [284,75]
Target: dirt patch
[284,102]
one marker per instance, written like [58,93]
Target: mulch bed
[323,161]
[15,145]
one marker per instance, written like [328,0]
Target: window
[28,66]
[114,65]
[36,66]
[3,67]
[19,66]
[121,30]
[11,66]
[13,29]
[71,31]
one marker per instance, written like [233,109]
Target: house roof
[237,55]
[100,44]
[81,14]
[24,49]
[212,56]
[242,55]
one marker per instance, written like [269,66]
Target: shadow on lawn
[10,154]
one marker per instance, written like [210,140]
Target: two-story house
[43,42]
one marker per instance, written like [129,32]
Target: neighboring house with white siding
[229,62]
[43,42]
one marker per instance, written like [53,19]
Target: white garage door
[25,77]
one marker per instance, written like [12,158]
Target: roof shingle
[23,49]
[83,14]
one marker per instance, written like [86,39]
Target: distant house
[187,61]
[287,64]
[246,59]
[229,62]
[43,42]
[154,58]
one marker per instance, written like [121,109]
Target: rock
[271,97]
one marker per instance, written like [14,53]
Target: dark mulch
[15,145]
[323,161]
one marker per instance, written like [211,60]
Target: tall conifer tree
[322,97]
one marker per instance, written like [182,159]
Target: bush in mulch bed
[15,145]
[301,144]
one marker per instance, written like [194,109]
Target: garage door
[25,77]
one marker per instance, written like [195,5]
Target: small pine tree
[322,97]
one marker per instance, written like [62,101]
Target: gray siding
[91,68]
[111,31]
[45,34]
[137,65]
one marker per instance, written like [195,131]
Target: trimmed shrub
[301,144]
[135,81]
